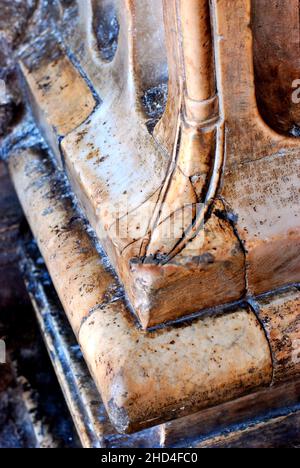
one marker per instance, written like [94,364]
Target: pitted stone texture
[280,315]
[113,161]
[61,99]
[70,256]
[146,378]
[143,378]
[264,197]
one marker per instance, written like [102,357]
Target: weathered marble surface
[143,377]
[206,147]
[209,148]
[267,418]
[280,315]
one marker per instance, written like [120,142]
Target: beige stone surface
[143,377]
[211,146]
[280,315]
[213,261]
[148,378]
[60,98]
[264,197]
[76,269]
[114,163]
[261,175]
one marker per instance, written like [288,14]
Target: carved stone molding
[212,165]
[153,111]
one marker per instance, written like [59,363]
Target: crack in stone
[231,218]
[211,192]
[253,304]
[164,191]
